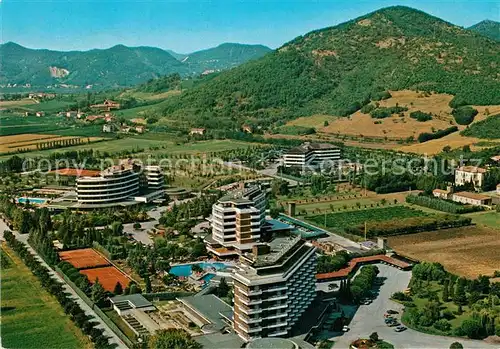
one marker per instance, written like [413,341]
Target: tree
[172,338]
[118,288]
[374,337]
[137,226]
[98,292]
[223,288]
[456,345]
[446,290]
[460,297]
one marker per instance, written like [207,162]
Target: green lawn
[343,220]
[32,318]
[489,218]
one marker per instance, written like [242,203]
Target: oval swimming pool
[186,269]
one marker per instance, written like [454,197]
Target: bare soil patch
[467,251]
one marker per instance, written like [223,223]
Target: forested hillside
[117,66]
[337,70]
[488,28]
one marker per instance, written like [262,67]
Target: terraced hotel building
[273,288]
[237,220]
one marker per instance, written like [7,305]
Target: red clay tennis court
[84,258]
[108,277]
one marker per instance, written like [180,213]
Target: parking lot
[370,318]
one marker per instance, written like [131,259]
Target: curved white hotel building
[115,184]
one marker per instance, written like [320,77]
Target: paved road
[155,213]
[369,318]
[88,310]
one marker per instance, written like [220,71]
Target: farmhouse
[443,194]
[197,131]
[107,105]
[92,118]
[465,197]
[40,113]
[71,114]
[470,174]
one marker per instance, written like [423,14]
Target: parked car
[400,329]
[390,311]
[389,319]
[367,301]
[345,329]
[393,324]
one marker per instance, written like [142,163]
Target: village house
[197,131]
[443,194]
[108,128]
[470,174]
[71,114]
[139,129]
[40,113]
[475,199]
[247,128]
[92,118]
[107,105]
[109,118]
[41,95]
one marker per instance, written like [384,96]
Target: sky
[189,25]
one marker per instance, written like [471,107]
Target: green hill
[488,28]
[336,70]
[224,56]
[117,66]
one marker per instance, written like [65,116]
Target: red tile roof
[353,264]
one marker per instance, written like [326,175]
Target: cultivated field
[467,251]
[21,102]
[11,144]
[31,317]
[143,143]
[351,219]
[454,140]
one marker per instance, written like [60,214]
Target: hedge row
[55,288]
[441,205]
[425,136]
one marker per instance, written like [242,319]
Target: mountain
[117,66]
[487,28]
[338,69]
[224,56]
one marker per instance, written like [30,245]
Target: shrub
[464,115]
[400,296]
[420,116]
[442,325]
[367,109]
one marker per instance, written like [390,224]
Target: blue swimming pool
[37,201]
[186,269]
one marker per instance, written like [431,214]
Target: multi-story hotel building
[236,221]
[311,155]
[122,184]
[115,184]
[273,287]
